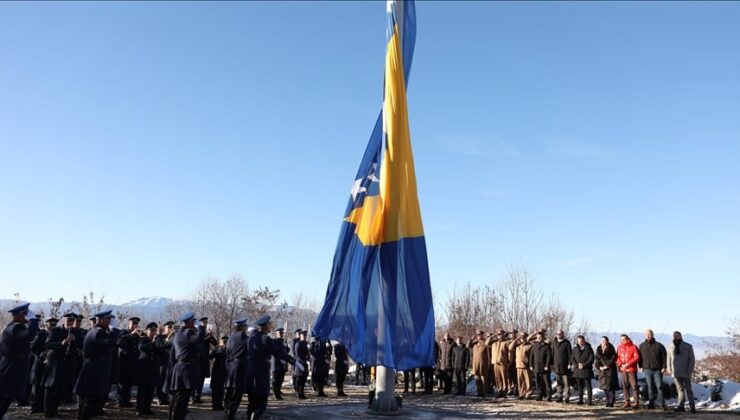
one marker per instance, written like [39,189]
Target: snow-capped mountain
[149,302]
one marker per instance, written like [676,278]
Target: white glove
[30,315]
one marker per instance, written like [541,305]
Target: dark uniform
[38,357]
[540,358]
[320,360]
[279,368]
[460,366]
[236,368]
[128,355]
[185,371]
[73,363]
[93,384]
[55,372]
[301,375]
[259,350]
[341,367]
[147,373]
[204,364]
[218,376]
[163,345]
[15,352]
[296,338]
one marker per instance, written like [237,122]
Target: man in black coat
[460,364]
[163,343]
[185,370]
[444,362]
[236,367]
[147,369]
[74,358]
[15,355]
[653,358]
[561,365]
[583,368]
[128,354]
[56,371]
[301,354]
[540,359]
[341,367]
[38,357]
[218,374]
[259,350]
[279,366]
[94,383]
[320,352]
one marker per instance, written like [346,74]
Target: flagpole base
[385,403]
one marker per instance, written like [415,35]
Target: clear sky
[144,146]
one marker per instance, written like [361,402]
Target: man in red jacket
[628,356]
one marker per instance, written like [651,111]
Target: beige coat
[499,352]
[479,349]
[521,351]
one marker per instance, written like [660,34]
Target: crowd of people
[45,363]
[517,364]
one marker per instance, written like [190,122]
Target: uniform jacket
[56,358]
[522,351]
[128,354]
[147,365]
[38,357]
[302,353]
[185,375]
[260,349]
[481,357]
[561,356]
[499,351]
[585,356]
[653,355]
[236,361]
[15,351]
[95,376]
[628,354]
[321,351]
[218,367]
[681,360]
[341,365]
[278,365]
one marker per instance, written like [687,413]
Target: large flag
[379,300]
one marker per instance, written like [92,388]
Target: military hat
[262,321]
[152,325]
[499,332]
[52,320]
[280,330]
[92,318]
[135,319]
[69,315]
[298,331]
[104,314]
[240,321]
[39,316]
[20,308]
[480,332]
[169,323]
[187,317]
[303,332]
[205,318]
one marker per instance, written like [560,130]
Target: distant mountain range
[147,307]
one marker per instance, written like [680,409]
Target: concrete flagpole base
[385,403]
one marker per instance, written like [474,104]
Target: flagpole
[385,380]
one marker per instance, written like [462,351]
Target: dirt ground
[415,406]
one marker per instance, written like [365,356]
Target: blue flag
[379,300]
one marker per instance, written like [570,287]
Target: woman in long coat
[481,362]
[606,363]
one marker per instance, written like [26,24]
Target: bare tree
[55,307]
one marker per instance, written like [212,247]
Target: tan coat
[481,361]
[499,352]
[521,354]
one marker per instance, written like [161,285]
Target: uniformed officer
[94,382]
[320,359]
[38,353]
[147,369]
[341,367]
[302,354]
[204,368]
[163,344]
[296,338]
[74,358]
[236,367]
[56,372]
[259,350]
[218,374]
[128,354]
[279,367]
[15,352]
[185,371]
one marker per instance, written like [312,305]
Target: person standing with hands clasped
[681,365]
[628,356]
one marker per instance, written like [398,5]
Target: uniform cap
[169,323]
[135,319]
[280,330]
[104,314]
[242,321]
[20,308]
[187,317]
[262,321]
[52,320]
[69,315]
[205,318]
[151,325]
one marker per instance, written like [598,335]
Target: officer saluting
[236,365]
[15,351]
[38,352]
[279,367]
[185,371]
[260,348]
[94,381]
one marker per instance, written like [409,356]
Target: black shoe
[538,399]
[579,403]
[650,406]
[149,412]
[197,401]
[219,408]
[692,410]
[125,404]
[679,409]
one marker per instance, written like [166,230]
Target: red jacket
[628,354]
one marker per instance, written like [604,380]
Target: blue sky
[144,146]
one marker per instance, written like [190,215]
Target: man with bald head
[653,365]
